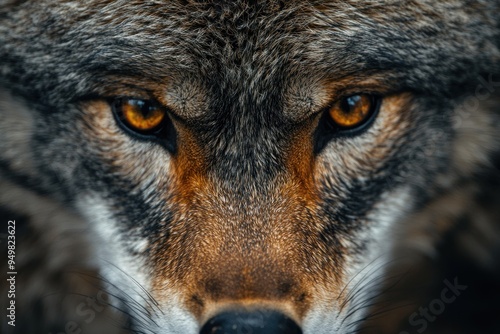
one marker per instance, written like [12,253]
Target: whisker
[126,299]
[150,296]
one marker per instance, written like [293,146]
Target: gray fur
[245,77]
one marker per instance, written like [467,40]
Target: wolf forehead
[212,48]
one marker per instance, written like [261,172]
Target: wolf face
[245,156]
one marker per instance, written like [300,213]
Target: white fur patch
[128,275]
[363,275]
[124,272]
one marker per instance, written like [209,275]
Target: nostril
[251,322]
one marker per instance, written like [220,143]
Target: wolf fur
[249,209]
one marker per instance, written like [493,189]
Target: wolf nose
[254,322]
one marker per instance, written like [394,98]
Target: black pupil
[144,106]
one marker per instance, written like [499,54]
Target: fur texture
[250,201]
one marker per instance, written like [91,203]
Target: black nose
[254,322]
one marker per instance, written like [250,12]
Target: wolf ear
[16,132]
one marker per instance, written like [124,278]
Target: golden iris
[352,111]
[141,115]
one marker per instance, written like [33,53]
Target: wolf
[246,166]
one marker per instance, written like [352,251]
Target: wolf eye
[348,116]
[353,111]
[145,120]
[142,116]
